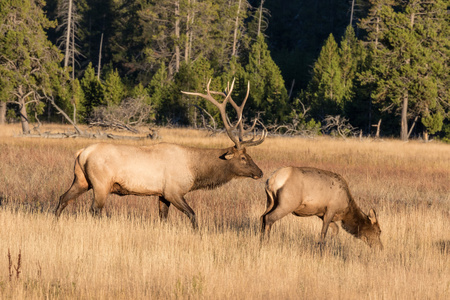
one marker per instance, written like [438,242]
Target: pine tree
[92,92]
[29,63]
[406,70]
[268,93]
[113,88]
[326,89]
[193,77]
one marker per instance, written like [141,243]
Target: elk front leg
[327,219]
[163,208]
[180,203]
[334,229]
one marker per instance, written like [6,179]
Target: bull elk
[313,192]
[169,171]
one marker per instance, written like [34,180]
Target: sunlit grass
[130,254]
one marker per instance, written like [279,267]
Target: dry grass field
[129,254]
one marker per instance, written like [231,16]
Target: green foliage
[139,92]
[166,99]
[93,92]
[113,88]
[326,87]
[407,69]
[154,49]
[433,122]
[193,77]
[268,93]
[28,61]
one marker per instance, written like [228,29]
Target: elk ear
[229,154]
[372,216]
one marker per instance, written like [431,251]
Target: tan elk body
[167,170]
[305,192]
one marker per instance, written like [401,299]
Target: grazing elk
[167,170]
[314,192]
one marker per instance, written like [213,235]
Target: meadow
[129,254]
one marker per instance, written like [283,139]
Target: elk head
[371,232]
[240,162]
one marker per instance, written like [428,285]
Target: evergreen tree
[92,92]
[326,89]
[193,77]
[404,68]
[29,63]
[113,88]
[268,93]
[165,97]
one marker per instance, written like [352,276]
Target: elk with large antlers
[169,171]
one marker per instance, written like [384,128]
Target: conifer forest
[314,67]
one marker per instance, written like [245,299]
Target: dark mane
[354,220]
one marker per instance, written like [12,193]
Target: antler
[238,141]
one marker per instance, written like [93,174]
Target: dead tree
[129,115]
[378,127]
[338,124]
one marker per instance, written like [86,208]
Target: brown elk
[313,192]
[167,170]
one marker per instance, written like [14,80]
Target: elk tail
[270,203]
[79,170]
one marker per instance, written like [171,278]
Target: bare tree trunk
[64,115]
[292,88]
[73,55]
[99,57]
[426,137]
[260,16]
[351,14]
[24,116]
[69,29]
[74,112]
[2,112]
[177,36]
[236,29]
[186,44]
[404,122]
[378,126]
[21,101]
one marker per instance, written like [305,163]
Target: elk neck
[209,168]
[354,219]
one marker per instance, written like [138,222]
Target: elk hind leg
[278,211]
[100,195]
[78,187]
[163,208]
[265,227]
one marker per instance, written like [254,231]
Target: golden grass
[129,254]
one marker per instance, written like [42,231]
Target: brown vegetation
[131,255]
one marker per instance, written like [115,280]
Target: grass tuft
[129,254]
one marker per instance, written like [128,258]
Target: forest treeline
[95,61]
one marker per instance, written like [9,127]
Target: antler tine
[261,139]
[221,106]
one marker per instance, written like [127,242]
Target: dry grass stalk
[12,268]
[130,254]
